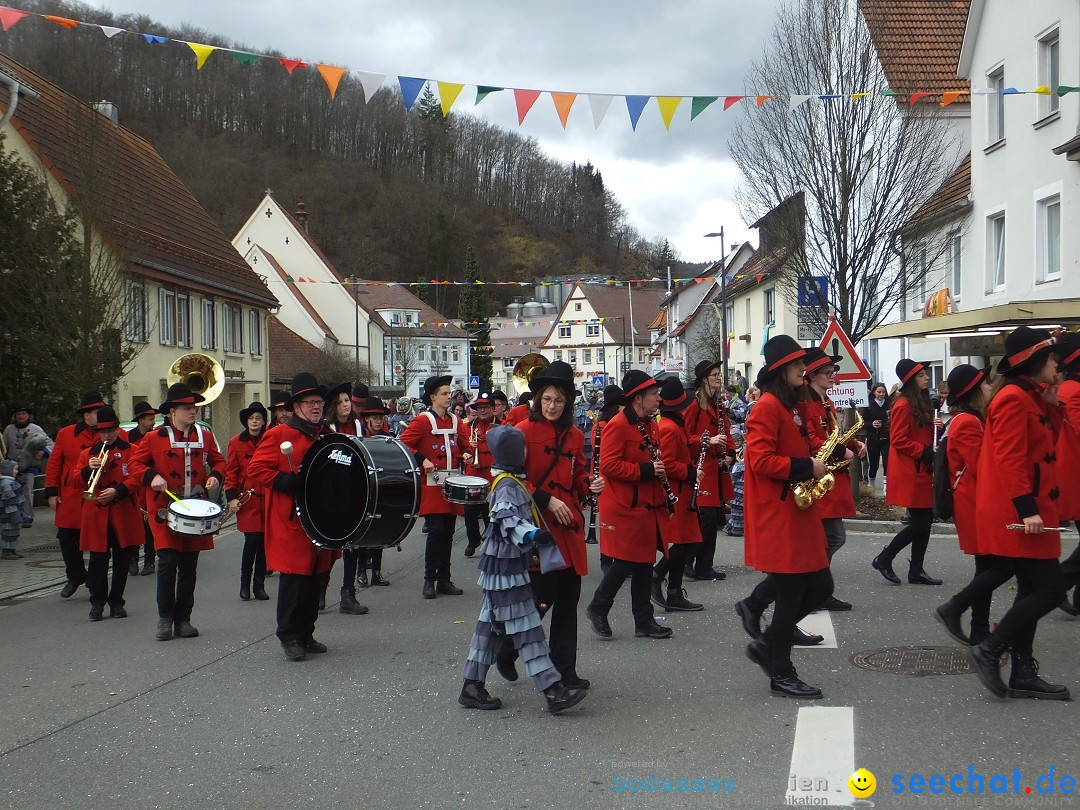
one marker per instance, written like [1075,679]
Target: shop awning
[1003,316]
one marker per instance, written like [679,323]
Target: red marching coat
[839,502]
[62,473]
[237,458]
[426,445]
[633,502]
[713,490]
[911,459]
[1068,449]
[481,463]
[155,455]
[963,450]
[519,413]
[1018,473]
[568,481]
[675,452]
[288,548]
[778,537]
[121,514]
[350,427]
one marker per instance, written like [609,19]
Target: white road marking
[821,624]
[822,758]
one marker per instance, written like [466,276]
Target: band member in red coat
[499,401]
[631,505]
[707,413]
[249,512]
[1018,486]
[969,392]
[64,487]
[911,476]
[520,412]
[479,464]
[176,457]
[782,540]
[683,534]
[374,415]
[289,550]
[438,439]
[281,413]
[110,522]
[1068,453]
[144,424]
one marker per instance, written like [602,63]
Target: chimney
[109,110]
[301,215]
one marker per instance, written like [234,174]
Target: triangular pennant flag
[949,96]
[370,82]
[448,93]
[1042,90]
[110,31]
[857,96]
[10,16]
[698,104]
[914,97]
[762,99]
[63,22]
[830,96]
[483,90]
[1010,91]
[201,53]
[634,106]
[599,104]
[410,89]
[668,105]
[331,75]
[524,99]
[245,58]
[1065,89]
[983,91]
[795,101]
[153,39]
[889,93]
[291,64]
[563,103]
[729,101]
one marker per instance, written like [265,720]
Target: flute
[654,454]
[700,466]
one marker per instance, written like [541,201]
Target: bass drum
[358,493]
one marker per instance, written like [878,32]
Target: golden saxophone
[814,489]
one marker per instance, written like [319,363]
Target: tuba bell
[527,368]
[199,372]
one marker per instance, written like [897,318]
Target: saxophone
[814,489]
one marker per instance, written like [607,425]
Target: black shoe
[245,591]
[184,629]
[561,697]
[751,620]
[801,638]
[97,613]
[506,668]
[978,634]
[712,575]
[921,578]
[1024,681]
[986,659]
[576,683]
[133,567]
[599,623]
[429,589]
[885,569]
[118,612]
[653,630]
[475,696]
[834,604]
[906,519]
[148,568]
[471,548]
[361,578]
[349,604]
[164,629]
[259,592]
[676,600]
[791,686]
[760,653]
[322,601]
[10,554]
[68,589]
[1067,606]
[377,577]
[949,617]
[314,647]
[448,588]
[689,573]
[294,650]
[656,594]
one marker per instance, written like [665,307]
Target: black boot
[949,616]
[429,589]
[789,685]
[801,638]
[676,600]
[475,696]
[986,658]
[377,577]
[653,630]
[561,697]
[259,592]
[349,604]
[760,653]
[920,577]
[245,590]
[884,567]
[751,618]
[1024,681]
[322,592]
[361,577]
[657,595]
[979,632]
[133,565]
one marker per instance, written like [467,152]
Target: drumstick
[182,504]
[286,450]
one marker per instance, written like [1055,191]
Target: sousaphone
[199,372]
[527,369]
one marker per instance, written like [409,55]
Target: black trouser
[253,559]
[298,606]
[176,583]
[916,534]
[148,547]
[557,592]
[440,537]
[991,572]
[640,585]
[796,596]
[97,573]
[372,558]
[350,562]
[702,554]
[673,564]
[876,448]
[74,567]
[473,513]
[1040,587]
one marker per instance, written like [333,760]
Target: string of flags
[433,282]
[525,99]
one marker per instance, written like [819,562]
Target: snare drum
[465,489]
[194,516]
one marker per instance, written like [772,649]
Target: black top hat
[779,351]
[906,369]
[525,397]
[333,389]
[91,401]
[962,380]
[635,382]
[28,408]
[254,407]
[433,384]
[1068,347]
[557,373]
[360,393]
[278,399]
[304,383]
[702,370]
[374,406]
[144,409]
[106,418]
[499,396]
[1025,348]
[673,396]
[612,395]
[816,358]
[180,394]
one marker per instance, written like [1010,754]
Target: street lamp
[357,292]
[723,303]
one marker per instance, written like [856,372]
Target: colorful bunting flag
[10,16]
[668,105]
[245,58]
[292,64]
[370,82]
[331,75]
[795,101]
[599,103]
[729,101]
[410,90]
[63,22]
[110,31]
[484,90]
[634,106]
[448,93]
[563,102]
[201,53]
[524,99]
[699,103]
[153,39]
[762,99]
[949,96]
[914,97]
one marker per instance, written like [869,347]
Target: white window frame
[421,353]
[233,323]
[1048,71]
[600,355]
[749,318]
[996,250]
[769,310]
[455,354]
[1048,255]
[167,316]
[577,306]
[183,320]
[255,332]
[509,363]
[920,271]
[995,105]
[564,331]
[586,356]
[137,314]
[209,324]
[592,329]
[954,256]
[558,354]
[571,356]
[730,318]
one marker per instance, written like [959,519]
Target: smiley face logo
[862,783]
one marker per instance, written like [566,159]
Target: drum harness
[446,433]
[187,447]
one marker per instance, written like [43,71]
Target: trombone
[95,476]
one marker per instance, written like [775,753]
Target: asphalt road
[103,716]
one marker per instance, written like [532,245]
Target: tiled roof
[660,321]
[288,352]
[955,189]
[139,204]
[765,265]
[918,42]
[393,296]
[300,297]
[612,301]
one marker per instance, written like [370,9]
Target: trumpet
[95,476]
[814,489]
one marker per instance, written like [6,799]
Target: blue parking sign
[812,290]
[474,381]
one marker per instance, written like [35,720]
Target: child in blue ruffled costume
[514,537]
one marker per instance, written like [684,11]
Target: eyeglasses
[552,401]
[311,403]
[715,375]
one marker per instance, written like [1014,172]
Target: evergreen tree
[473,311]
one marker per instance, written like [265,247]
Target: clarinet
[594,501]
[654,454]
[700,466]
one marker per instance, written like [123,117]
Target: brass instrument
[95,476]
[527,369]
[814,489]
[199,372]
[241,499]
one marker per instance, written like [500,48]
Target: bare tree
[864,166]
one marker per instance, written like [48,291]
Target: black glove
[543,537]
[289,483]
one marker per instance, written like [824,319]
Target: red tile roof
[955,189]
[612,302]
[288,352]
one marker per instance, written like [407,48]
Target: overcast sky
[677,184]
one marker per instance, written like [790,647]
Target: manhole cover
[917,661]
